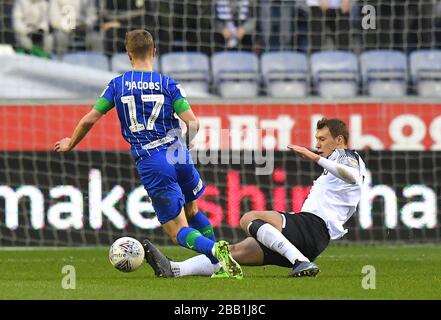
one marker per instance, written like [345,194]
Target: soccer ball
[126,254]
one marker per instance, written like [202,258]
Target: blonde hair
[139,43]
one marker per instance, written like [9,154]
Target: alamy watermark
[248,150]
[69,281]
[369,280]
[68,18]
[369,20]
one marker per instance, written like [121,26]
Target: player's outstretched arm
[341,171]
[82,128]
[345,173]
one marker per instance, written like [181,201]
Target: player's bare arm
[192,123]
[304,152]
[82,128]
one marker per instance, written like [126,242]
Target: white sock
[195,266]
[273,239]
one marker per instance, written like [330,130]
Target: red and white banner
[378,126]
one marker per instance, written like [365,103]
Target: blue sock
[191,238]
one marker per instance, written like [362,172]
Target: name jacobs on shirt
[142,85]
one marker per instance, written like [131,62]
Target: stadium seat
[285,74]
[235,74]
[335,73]
[190,69]
[88,59]
[425,72]
[120,63]
[384,73]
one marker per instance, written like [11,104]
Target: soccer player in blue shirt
[146,103]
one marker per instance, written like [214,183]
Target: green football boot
[229,265]
[220,274]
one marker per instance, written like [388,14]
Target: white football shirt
[333,199]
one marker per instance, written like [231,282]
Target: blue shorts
[170,185]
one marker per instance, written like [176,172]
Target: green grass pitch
[402,272]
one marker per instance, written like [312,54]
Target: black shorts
[306,231]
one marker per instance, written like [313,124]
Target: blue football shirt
[146,103]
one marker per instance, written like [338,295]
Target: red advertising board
[379,126]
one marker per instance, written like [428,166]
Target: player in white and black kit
[291,239]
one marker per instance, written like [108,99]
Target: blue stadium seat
[285,74]
[425,72]
[236,74]
[120,63]
[190,69]
[88,59]
[335,73]
[384,73]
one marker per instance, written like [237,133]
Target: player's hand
[63,145]
[304,152]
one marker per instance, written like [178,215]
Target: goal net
[248,113]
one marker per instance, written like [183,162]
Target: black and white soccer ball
[126,254]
